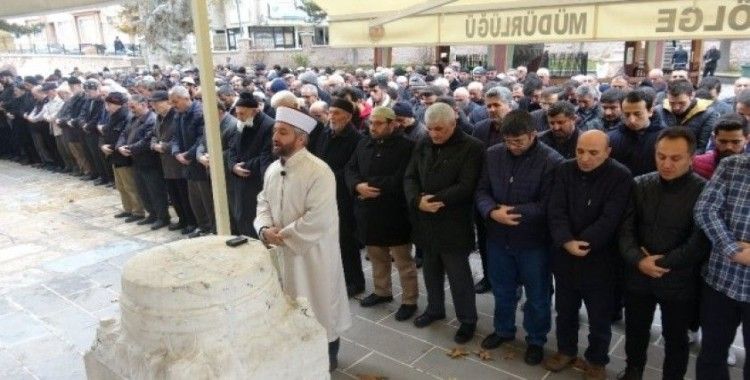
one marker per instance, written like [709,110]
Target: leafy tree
[315,14]
[19,30]
[163,24]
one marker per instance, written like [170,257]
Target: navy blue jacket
[523,182]
[635,150]
[478,114]
[587,206]
[482,133]
[187,138]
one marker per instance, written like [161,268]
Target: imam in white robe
[300,198]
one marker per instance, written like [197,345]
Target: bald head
[592,150]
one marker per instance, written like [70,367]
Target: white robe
[300,198]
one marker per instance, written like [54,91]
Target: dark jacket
[252,148]
[137,137]
[587,206]
[464,123]
[660,219]
[523,182]
[112,131]
[88,116]
[635,150]
[566,148]
[69,111]
[164,133]
[187,137]
[448,171]
[336,151]
[585,117]
[699,118]
[478,114]
[381,221]
[488,132]
[539,118]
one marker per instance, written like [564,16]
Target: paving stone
[439,364]
[351,353]
[104,274]
[11,368]
[380,365]
[94,299]
[69,284]
[40,301]
[67,366]
[385,340]
[73,319]
[24,327]
[6,307]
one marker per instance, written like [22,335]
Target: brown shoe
[595,372]
[558,362]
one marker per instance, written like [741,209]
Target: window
[321,35]
[273,37]
[232,35]
[220,40]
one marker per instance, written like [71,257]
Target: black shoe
[159,224]
[111,185]
[374,299]
[418,261]
[146,221]
[123,214]
[631,373]
[100,182]
[483,286]
[198,232]
[405,312]
[465,333]
[188,229]
[534,354]
[133,218]
[176,226]
[493,341]
[353,290]
[425,319]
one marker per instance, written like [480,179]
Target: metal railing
[131,50]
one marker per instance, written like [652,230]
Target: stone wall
[45,64]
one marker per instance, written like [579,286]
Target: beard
[282,150]
[720,155]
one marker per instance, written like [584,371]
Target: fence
[132,50]
[565,64]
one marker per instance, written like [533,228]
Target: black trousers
[202,203]
[350,256]
[177,189]
[675,318]
[435,266]
[598,301]
[153,191]
[720,317]
[95,156]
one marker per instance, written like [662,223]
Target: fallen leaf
[457,353]
[484,355]
[365,376]
[509,354]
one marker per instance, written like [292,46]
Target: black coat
[336,151]
[111,132]
[487,131]
[88,115]
[588,207]
[252,148]
[137,137]
[450,172]
[164,133]
[381,221]
[566,148]
[660,219]
[69,111]
[636,150]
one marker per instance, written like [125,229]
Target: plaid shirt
[723,212]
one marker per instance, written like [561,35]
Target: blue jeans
[528,267]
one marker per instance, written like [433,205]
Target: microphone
[283,173]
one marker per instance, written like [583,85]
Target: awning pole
[211,115]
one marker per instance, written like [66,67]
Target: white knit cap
[295,118]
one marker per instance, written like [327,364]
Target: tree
[163,24]
[19,30]
[315,14]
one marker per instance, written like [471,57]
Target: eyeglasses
[517,141]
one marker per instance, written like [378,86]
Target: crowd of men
[627,194]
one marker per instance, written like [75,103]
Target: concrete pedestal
[197,309]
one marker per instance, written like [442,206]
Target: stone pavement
[61,254]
